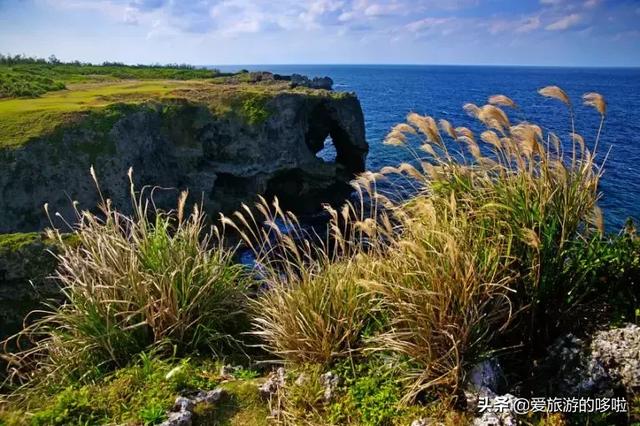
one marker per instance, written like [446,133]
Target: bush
[606,273]
[371,397]
[132,285]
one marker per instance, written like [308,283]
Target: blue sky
[510,32]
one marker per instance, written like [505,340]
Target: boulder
[482,396]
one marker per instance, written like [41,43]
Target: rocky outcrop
[604,365]
[26,263]
[182,413]
[222,159]
[607,366]
[325,83]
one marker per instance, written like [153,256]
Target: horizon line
[423,65]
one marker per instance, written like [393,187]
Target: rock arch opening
[329,140]
[328,152]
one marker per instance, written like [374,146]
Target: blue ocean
[388,93]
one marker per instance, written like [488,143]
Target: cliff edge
[225,139]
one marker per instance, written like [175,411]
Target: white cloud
[565,23]
[425,24]
[523,25]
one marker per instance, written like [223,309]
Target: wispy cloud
[565,22]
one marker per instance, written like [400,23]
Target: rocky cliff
[224,142]
[26,263]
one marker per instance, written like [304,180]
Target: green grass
[13,242]
[35,79]
[243,406]
[37,97]
[140,393]
[23,119]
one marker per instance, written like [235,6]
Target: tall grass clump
[508,203]
[473,262]
[313,308]
[155,281]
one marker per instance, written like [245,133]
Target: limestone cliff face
[26,263]
[223,159]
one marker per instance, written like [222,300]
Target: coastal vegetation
[500,250]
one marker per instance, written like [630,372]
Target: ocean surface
[388,93]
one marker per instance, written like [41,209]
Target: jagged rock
[257,76]
[607,365]
[330,381]
[26,263]
[181,413]
[183,404]
[483,381]
[325,83]
[275,381]
[486,374]
[181,418]
[617,351]
[482,398]
[210,397]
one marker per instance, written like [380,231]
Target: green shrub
[371,397]
[71,407]
[33,78]
[153,414]
[605,271]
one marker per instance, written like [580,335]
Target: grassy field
[23,119]
[35,79]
